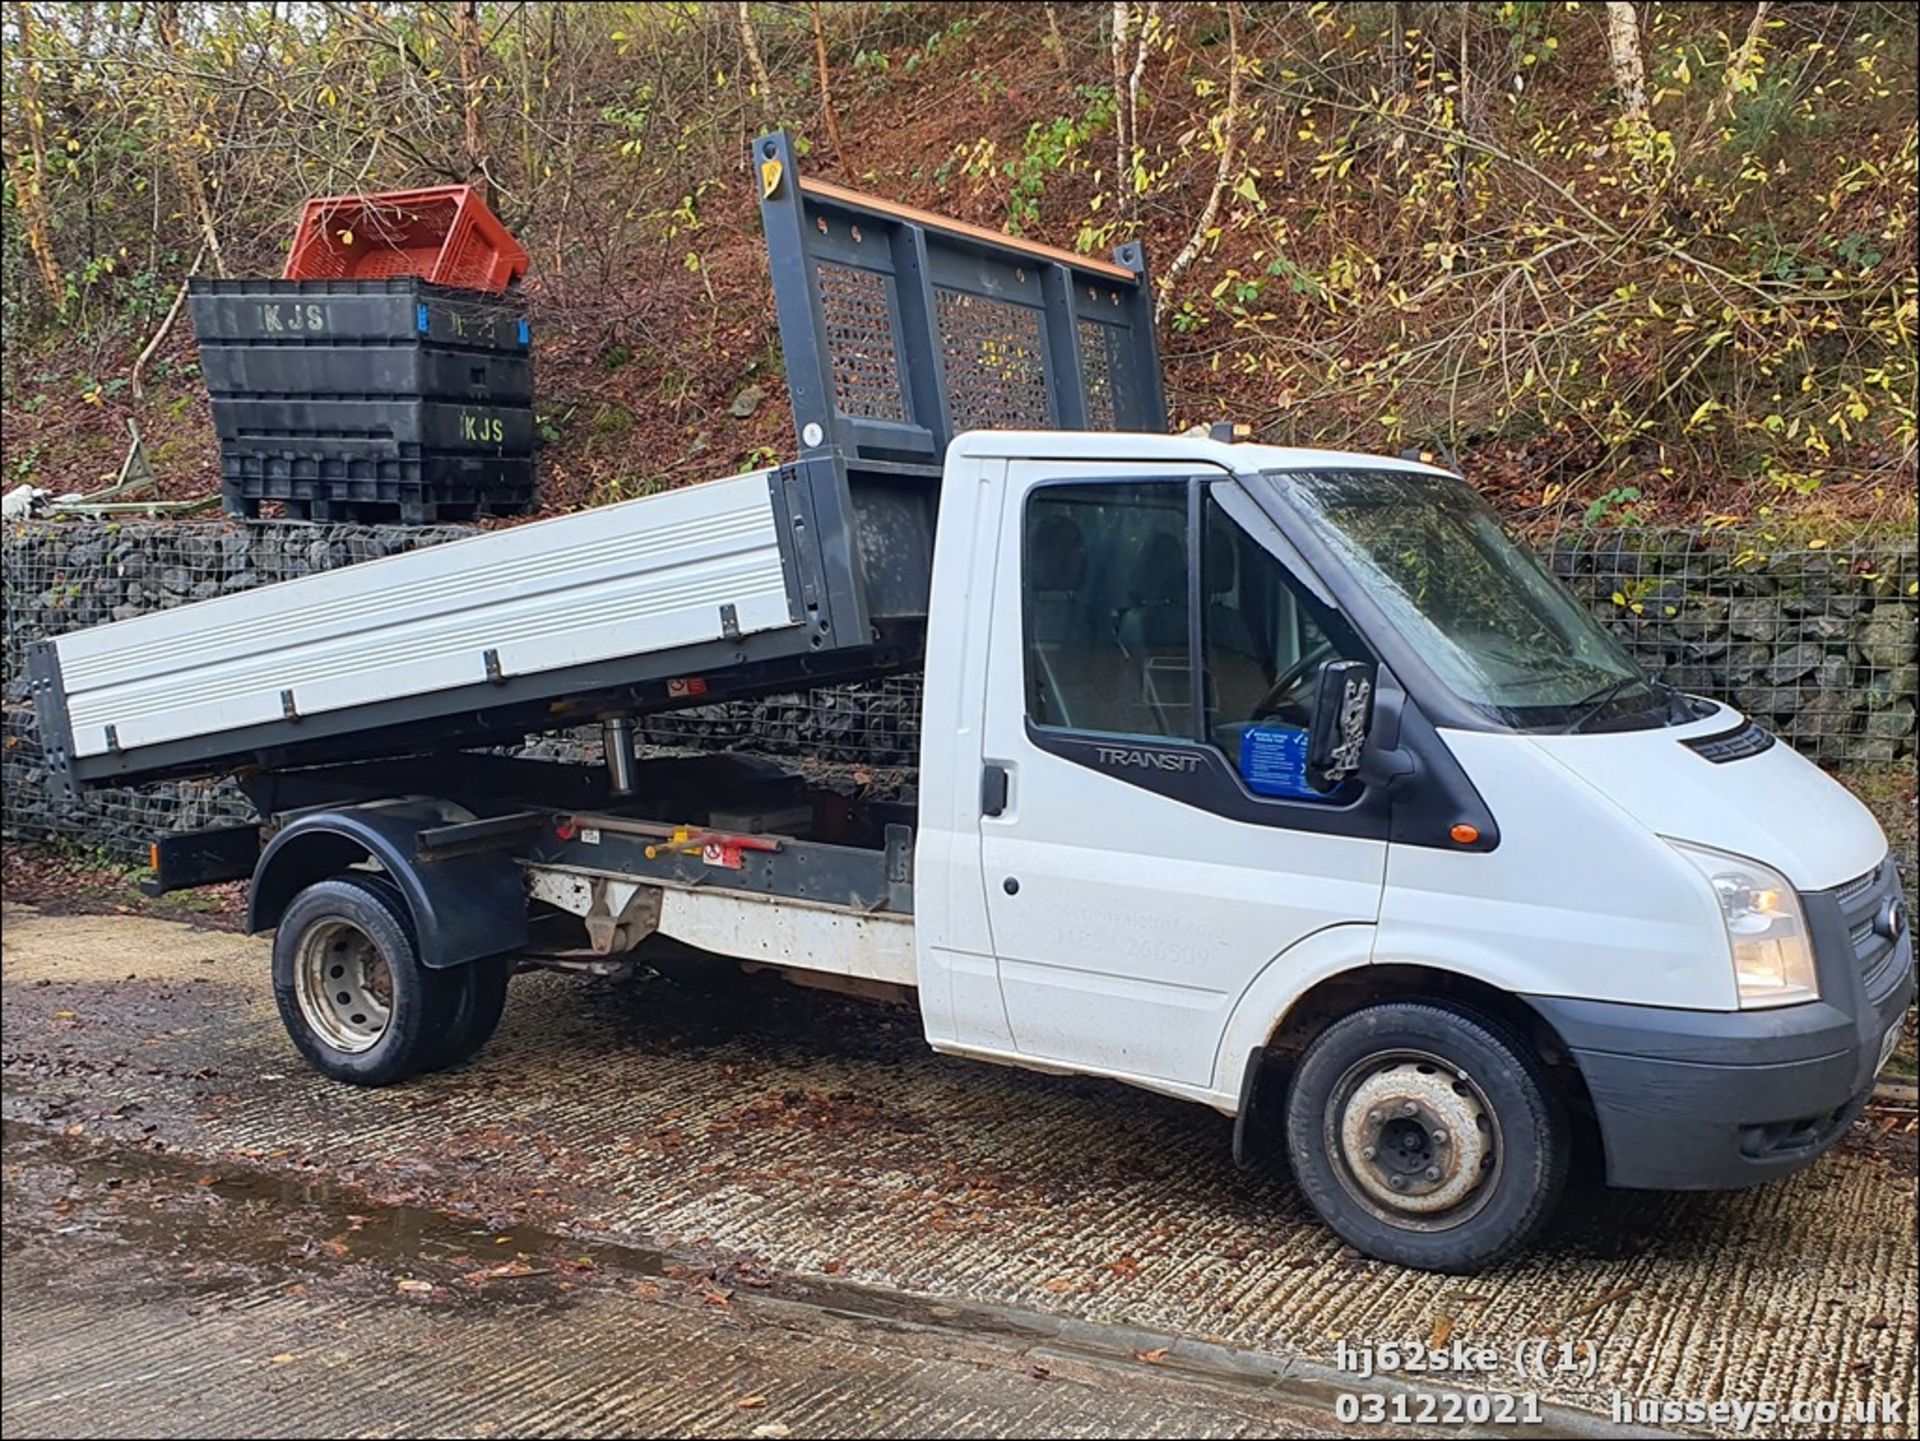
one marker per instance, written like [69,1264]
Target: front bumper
[1714,1100]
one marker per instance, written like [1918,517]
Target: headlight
[1772,956]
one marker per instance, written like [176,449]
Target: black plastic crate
[283,423]
[416,488]
[352,373]
[398,311]
[368,399]
[413,511]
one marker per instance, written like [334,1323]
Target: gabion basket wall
[1818,643]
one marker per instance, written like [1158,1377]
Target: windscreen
[1501,633]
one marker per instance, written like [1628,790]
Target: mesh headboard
[901,328]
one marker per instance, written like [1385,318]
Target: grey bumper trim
[1709,1100]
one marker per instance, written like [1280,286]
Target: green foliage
[1727,287]
[940,42]
[1050,147]
[1396,250]
[1615,504]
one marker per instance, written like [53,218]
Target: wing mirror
[1342,715]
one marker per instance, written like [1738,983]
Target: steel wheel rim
[344,986]
[1368,1110]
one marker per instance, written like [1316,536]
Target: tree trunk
[1139,70]
[1468,97]
[468,49]
[1222,175]
[1463,113]
[1623,52]
[1126,95]
[1400,67]
[826,87]
[1122,142]
[29,186]
[757,65]
[178,103]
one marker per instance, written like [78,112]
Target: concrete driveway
[923,1223]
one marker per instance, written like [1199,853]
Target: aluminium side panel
[689,566]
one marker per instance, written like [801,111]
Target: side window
[1105,598]
[1264,640]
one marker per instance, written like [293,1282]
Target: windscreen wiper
[1591,705]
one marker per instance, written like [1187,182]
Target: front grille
[1862,902]
[1856,888]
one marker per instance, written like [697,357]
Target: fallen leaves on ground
[506,1271]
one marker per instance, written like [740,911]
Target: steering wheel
[1277,694]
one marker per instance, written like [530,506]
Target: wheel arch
[464,908]
[1331,997]
[1267,1067]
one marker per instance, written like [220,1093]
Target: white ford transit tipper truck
[1283,781]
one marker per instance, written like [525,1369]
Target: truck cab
[1287,782]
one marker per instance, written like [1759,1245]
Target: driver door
[1137,880]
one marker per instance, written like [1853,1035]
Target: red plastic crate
[445,235]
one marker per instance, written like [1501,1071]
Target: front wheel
[351,989]
[1427,1134]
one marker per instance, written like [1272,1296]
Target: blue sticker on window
[1273,762]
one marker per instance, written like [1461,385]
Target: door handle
[993,789]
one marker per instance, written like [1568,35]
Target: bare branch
[1222,176]
[826,88]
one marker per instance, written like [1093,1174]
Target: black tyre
[352,992]
[476,1012]
[698,972]
[1427,1134]
[478,988]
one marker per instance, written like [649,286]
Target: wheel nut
[1399,1183]
[1374,1118]
[1439,1138]
[1433,1173]
[1409,1109]
[1366,1153]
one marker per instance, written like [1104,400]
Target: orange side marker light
[1464,834]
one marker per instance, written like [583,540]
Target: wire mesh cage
[1817,643]
[66,576]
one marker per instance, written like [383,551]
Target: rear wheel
[478,989]
[476,1014]
[351,989]
[695,971]
[1427,1134]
